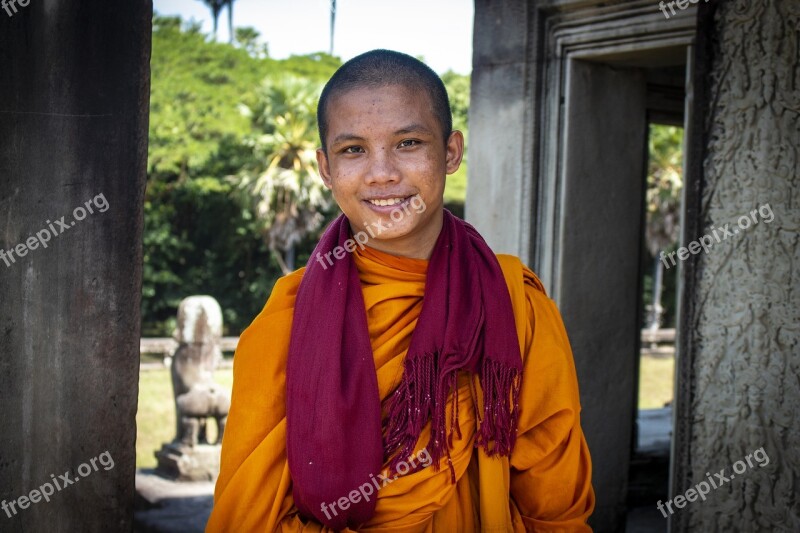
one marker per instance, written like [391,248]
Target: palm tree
[664,184]
[230,20]
[288,194]
[216,8]
[333,24]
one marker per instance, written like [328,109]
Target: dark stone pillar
[74,92]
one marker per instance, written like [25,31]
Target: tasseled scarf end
[421,397]
[501,386]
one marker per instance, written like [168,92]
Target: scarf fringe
[421,397]
[501,386]
[409,409]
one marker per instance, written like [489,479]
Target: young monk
[407,379]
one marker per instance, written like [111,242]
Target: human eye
[352,150]
[408,142]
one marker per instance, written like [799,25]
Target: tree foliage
[664,186]
[248,38]
[198,241]
[233,199]
[216,7]
[457,85]
[287,193]
[663,205]
[200,236]
[195,88]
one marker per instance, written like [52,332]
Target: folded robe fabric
[544,486]
[333,406]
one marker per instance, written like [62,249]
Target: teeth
[389,201]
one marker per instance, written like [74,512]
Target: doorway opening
[648,480]
[619,109]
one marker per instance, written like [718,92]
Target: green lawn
[155,419]
[656,378]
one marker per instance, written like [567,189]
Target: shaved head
[379,68]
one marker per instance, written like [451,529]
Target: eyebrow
[346,137]
[413,128]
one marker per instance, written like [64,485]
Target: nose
[382,168]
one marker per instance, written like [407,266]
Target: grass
[656,378]
[155,419]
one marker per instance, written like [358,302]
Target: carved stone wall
[740,367]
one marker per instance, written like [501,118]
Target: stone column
[738,402]
[74,92]
[501,185]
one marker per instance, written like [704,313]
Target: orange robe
[544,486]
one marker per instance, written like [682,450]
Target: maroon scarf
[333,409]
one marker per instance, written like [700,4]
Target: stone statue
[190,456]
[197,397]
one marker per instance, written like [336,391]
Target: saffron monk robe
[407,379]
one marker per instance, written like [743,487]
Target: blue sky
[440,30]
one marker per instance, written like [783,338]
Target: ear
[455,151]
[324,167]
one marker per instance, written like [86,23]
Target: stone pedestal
[184,463]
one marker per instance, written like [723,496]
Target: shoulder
[284,292]
[278,310]
[536,313]
[517,274]
[540,327]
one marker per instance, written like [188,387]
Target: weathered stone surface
[500,187]
[74,93]
[596,287]
[740,356]
[189,463]
[559,106]
[167,506]
[502,226]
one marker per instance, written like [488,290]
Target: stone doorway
[608,102]
[596,76]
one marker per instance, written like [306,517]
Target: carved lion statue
[197,397]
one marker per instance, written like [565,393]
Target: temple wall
[739,382]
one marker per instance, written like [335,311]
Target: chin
[394,234]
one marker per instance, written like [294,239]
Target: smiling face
[385,164]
